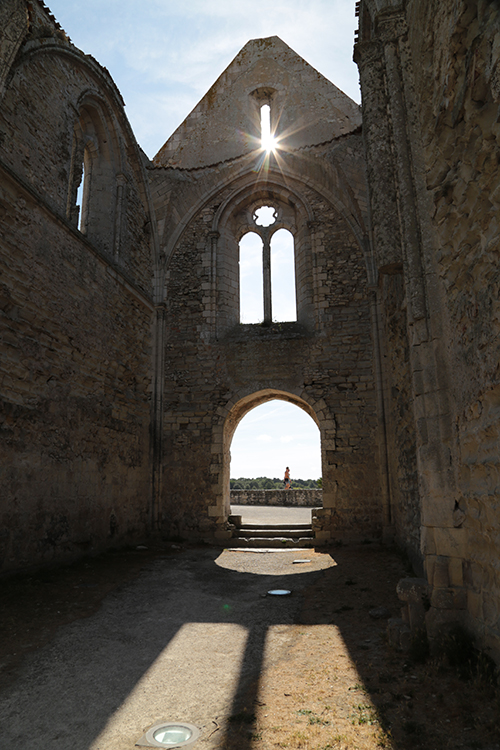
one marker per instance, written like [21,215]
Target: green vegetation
[264,483]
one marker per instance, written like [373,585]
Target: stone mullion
[266,273]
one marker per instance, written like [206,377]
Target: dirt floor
[310,671]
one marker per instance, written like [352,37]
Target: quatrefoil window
[265,216]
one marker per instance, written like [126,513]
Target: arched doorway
[240,410]
[274,435]
[270,437]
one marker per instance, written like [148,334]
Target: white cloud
[294,441]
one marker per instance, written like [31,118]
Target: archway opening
[269,438]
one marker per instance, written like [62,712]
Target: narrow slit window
[268,142]
[79,198]
[82,194]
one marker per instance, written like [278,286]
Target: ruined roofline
[52,17]
[152,166]
[62,40]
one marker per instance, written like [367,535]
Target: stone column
[212,320]
[266,271]
[156,433]
[392,134]
[121,186]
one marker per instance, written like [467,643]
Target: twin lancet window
[267,272]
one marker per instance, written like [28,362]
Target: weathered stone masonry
[75,366]
[124,369]
[216,369]
[433,173]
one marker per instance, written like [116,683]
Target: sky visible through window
[282,278]
[272,436]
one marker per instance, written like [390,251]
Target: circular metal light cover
[170,734]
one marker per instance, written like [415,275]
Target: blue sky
[164,55]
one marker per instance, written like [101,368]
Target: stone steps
[286,533]
[274,535]
[272,542]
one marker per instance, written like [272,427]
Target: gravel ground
[94,654]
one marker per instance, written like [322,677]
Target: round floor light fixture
[170,734]
[279,592]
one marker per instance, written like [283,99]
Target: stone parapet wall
[295,498]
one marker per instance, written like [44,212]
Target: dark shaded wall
[75,309]
[435,68]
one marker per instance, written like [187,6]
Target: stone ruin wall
[75,373]
[402,462]
[205,374]
[458,84]
[432,169]
[392,297]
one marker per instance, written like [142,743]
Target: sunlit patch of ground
[339,686]
[328,682]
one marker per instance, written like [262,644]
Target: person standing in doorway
[286,480]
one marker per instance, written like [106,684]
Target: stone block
[223,534]
[451,542]
[437,509]
[413,590]
[449,598]
[427,544]
[322,536]
[456,573]
[441,573]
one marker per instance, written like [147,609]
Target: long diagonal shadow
[185,641]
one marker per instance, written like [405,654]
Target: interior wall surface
[75,308]
[436,67]
[462,153]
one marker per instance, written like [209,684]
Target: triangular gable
[307,108]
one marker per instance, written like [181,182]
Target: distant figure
[286,480]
